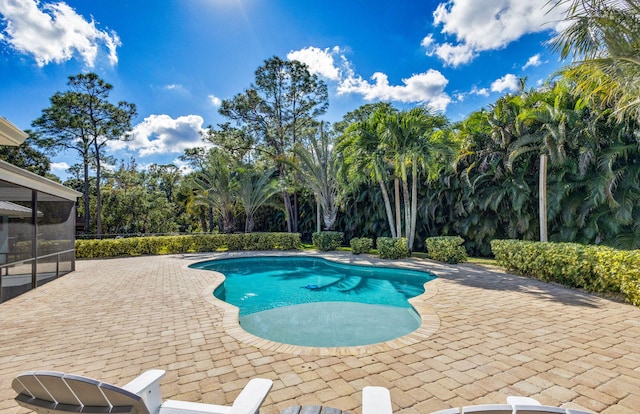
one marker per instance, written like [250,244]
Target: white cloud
[428,41]
[54,32]
[174,87]
[454,55]
[183,166]
[479,26]
[532,62]
[427,88]
[479,91]
[215,101]
[59,166]
[161,134]
[461,96]
[508,82]
[318,60]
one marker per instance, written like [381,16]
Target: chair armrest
[187,407]
[251,397]
[376,400]
[147,386]
[517,400]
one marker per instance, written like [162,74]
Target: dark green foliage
[273,114]
[598,269]
[327,240]
[361,245]
[82,119]
[446,249]
[27,156]
[134,246]
[392,248]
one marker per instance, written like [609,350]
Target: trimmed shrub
[619,270]
[135,246]
[447,249]
[392,248]
[569,264]
[327,240]
[361,245]
[597,269]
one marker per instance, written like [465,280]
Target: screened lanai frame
[37,230]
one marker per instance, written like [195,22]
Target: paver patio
[495,335]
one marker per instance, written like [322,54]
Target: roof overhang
[10,134]
[27,179]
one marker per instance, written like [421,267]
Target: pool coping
[230,321]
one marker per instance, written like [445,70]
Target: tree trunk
[542,198]
[203,219]
[317,214]
[211,222]
[98,198]
[228,221]
[387,204]
[86,195]
[396,186]
[287,211]
[249,224]
[407,201]
[414,203]
[295,212]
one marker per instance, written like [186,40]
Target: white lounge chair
[509,409]
[377,400]
[55,392]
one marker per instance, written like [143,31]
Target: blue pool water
[315,302]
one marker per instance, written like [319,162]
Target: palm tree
[604,41]
[362,156]
[319,171]
[214,188]
[411,138]
[254,190]
[554,126]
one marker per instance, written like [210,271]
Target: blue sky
[177,59]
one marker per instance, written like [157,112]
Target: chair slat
[311,409]
[19,388]
[87,390]
[293,409]
[54,383]
[120,397]
[488,409]
[538,409]
[33,387]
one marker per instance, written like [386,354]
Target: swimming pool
[315,302]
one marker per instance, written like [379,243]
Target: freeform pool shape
[315,302]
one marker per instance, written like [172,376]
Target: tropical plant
[362,156]
[319,169]
[284,100]
[214,188]
[603,39]
[412,140]
[253,189]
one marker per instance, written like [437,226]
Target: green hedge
[596,269]
[135,246]
[361,245]
[392,248]
[446,249]
[327,240]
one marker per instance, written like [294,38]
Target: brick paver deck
[494,335]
